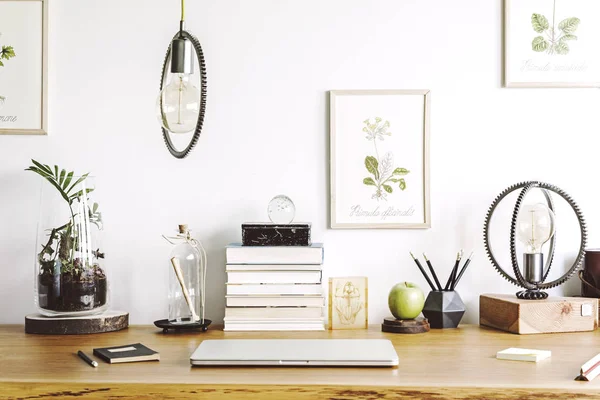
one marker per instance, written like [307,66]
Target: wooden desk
[455,363]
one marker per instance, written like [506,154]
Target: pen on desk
[88,360]
[437,282]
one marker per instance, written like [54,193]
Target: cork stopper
[183,228]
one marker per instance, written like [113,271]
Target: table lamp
[534,224]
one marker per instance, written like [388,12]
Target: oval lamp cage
[533,290]
[180,59]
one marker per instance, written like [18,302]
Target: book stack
[274,288]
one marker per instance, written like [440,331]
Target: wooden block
[263,234]
[552,315]
[108,321]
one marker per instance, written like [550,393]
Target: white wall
[270,65]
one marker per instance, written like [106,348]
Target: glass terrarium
[70,275]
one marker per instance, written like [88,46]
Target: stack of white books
[275,288]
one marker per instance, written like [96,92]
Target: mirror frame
[165,71]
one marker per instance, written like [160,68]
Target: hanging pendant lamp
[181,103]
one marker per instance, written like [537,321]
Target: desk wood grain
[452,364]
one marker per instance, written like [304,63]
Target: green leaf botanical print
[6,53]
[553,40]
[369,181]
[539,22]
[381,167]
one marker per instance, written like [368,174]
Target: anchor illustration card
[380,159]
[23,67]
[552,43]
[348,303]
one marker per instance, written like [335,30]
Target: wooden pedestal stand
[552,315]
[393,325]
[108,321]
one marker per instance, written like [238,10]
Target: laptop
[296,352]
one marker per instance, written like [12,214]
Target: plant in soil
[70,277]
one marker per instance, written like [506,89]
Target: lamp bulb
[178,105]
[535,226]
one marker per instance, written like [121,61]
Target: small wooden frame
[348,303]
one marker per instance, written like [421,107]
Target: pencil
[462,271]
[422,271]
[88,360]
[452,276]
[437,282]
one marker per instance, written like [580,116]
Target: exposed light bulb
[178,105]
[535,226]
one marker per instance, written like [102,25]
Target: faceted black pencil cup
[444,309]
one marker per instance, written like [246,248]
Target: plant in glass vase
[69,275]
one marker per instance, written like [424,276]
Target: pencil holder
[443,309]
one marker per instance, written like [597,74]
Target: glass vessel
[186,279]
[70,275]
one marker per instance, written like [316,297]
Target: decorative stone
[109,321]
[443,309]
[264,234]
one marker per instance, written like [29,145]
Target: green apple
[406,301]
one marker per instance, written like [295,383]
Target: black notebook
[127,353]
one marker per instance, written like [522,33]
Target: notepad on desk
[127,353]
[517,354]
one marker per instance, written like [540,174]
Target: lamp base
[552,315]
[532,295]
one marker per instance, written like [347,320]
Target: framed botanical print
[552,43]
[23,67]
[379,158]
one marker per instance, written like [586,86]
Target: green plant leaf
[57,186]
[400,171]
[1,64]
[369,181]
[402,184]
[79,194]
[7,52]
[372,166]
[539,44]
[65,184]
[388,188]
[56,171]
[42,167]
[78,181]
[61,179]
[394,180]
[561,48]
[95,207]
[539,23]
[569,25]
[568,37]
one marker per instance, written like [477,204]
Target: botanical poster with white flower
[379,159]
[553,43]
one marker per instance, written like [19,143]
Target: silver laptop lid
[296,352]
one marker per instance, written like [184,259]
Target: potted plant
[69,274]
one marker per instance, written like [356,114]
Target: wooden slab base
[552,315]
[108,321]
[393,325]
